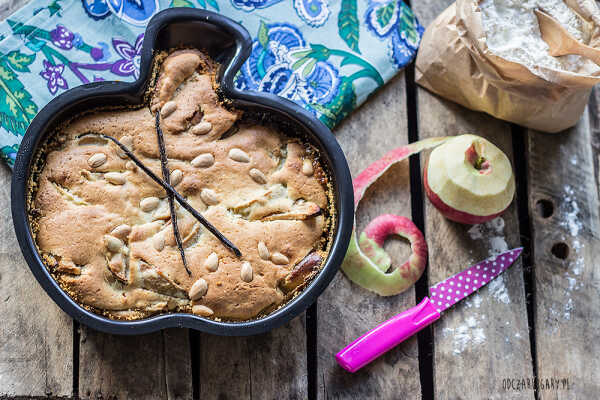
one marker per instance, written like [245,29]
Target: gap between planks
[76,338]
[312,359]
[424,337]
[519,139]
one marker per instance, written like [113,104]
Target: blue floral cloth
[326,55]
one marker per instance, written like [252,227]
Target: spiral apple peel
[366,262]
[474,160]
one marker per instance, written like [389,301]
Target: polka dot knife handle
[443,295]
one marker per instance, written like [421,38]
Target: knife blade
[450,291]
[443,294]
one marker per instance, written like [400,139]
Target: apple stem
[478,161]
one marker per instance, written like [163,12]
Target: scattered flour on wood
[498,290]
[569,209]
[492,232]
[559,313]
[573,159]
[569,215]
[576,266]
[474,301]
[567,309]
[465,335]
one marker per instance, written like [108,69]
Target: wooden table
[539,320]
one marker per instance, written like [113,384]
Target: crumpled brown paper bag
[455,62]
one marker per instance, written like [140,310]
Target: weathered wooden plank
[154,366]
[564,207]
[36,337]
[594,113]
[36,349]
[267,366]
[346,310]
[485,339]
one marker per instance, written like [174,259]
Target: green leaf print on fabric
[213,4]
[340,106]
[385,14]
[20,28]
[322,53]
[54,8]
[19,61]
[16,107]
[263,35]
[348,25]
[408,25]
[181,3]
[344,102]
[9,153]
[190,3]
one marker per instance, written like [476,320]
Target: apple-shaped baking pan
[229,44]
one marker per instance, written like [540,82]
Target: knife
[442,296]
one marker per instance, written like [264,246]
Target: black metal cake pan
[229,44]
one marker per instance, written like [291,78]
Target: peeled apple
[469,180]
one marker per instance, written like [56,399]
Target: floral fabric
[326,55]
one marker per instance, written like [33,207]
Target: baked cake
[104,228]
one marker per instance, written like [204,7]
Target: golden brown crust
[104,227]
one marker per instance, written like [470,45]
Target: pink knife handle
[386,336]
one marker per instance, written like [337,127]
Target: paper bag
[455,62]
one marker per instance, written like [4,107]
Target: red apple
[469,180]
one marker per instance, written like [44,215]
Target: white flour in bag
[513,33]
